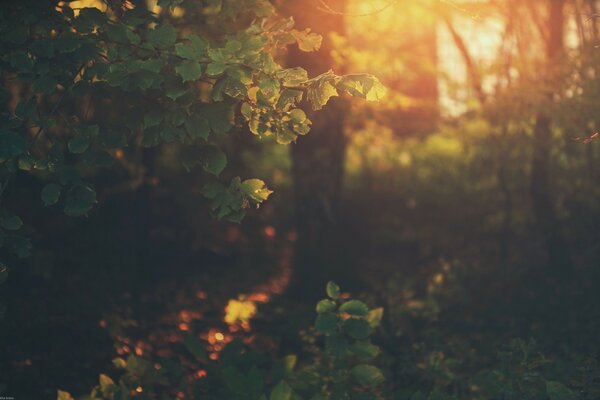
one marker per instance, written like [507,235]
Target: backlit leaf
[213,159]
[62,395]
[282,391]
[355,307]
[79,200]
[307,40]
[162,36]
[256,190]
[13,223]
[326,323]
[333,290]
[50,194]
[367,375]
[189,70]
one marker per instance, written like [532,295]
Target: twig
[587,139]
[327,8]
[58,103]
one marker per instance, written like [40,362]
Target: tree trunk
[318,160]
[543,206]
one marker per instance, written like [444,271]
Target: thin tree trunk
[542,201]
[318,160]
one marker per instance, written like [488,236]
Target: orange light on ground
[139,389]
[260,297]
[185,316]
[119,154]
[139,351]
[200,373]
[184,327]
[201,295]
[239,311]
[214,356]
[233,234]
[292,236]
[269,231]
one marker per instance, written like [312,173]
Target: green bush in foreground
[343,368]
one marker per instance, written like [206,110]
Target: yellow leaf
[62,395]
[238,311]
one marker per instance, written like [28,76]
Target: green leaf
[62,395]
[193,49]
[232,87]
[169,3]
[139,366]
[50,194]
[174,89]
[288,97]
[220,116]
[307,40]
[293,76]
[197,126]
[335,345]
[13,223]
[119,363]
[298,115]
[25,109]
[105,382]
[215,68]
[321,89]
[374,317]
[20,245]
[213,159]
[282,391]
[162,36]
[326,323]
[365,349]
[255,190]
[362,85]
[45,85]
[333,290]
[21,61]
[189,70]
[78,144]
[367,375]
[213,189]
[88,18]
[120,33]
[558,391]
[290,362]
[326,306]
[80,199]
[26,162]
[263,8]
[357,328]
[195,346]
[355,307]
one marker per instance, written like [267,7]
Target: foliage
[84,87]
[344,368]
